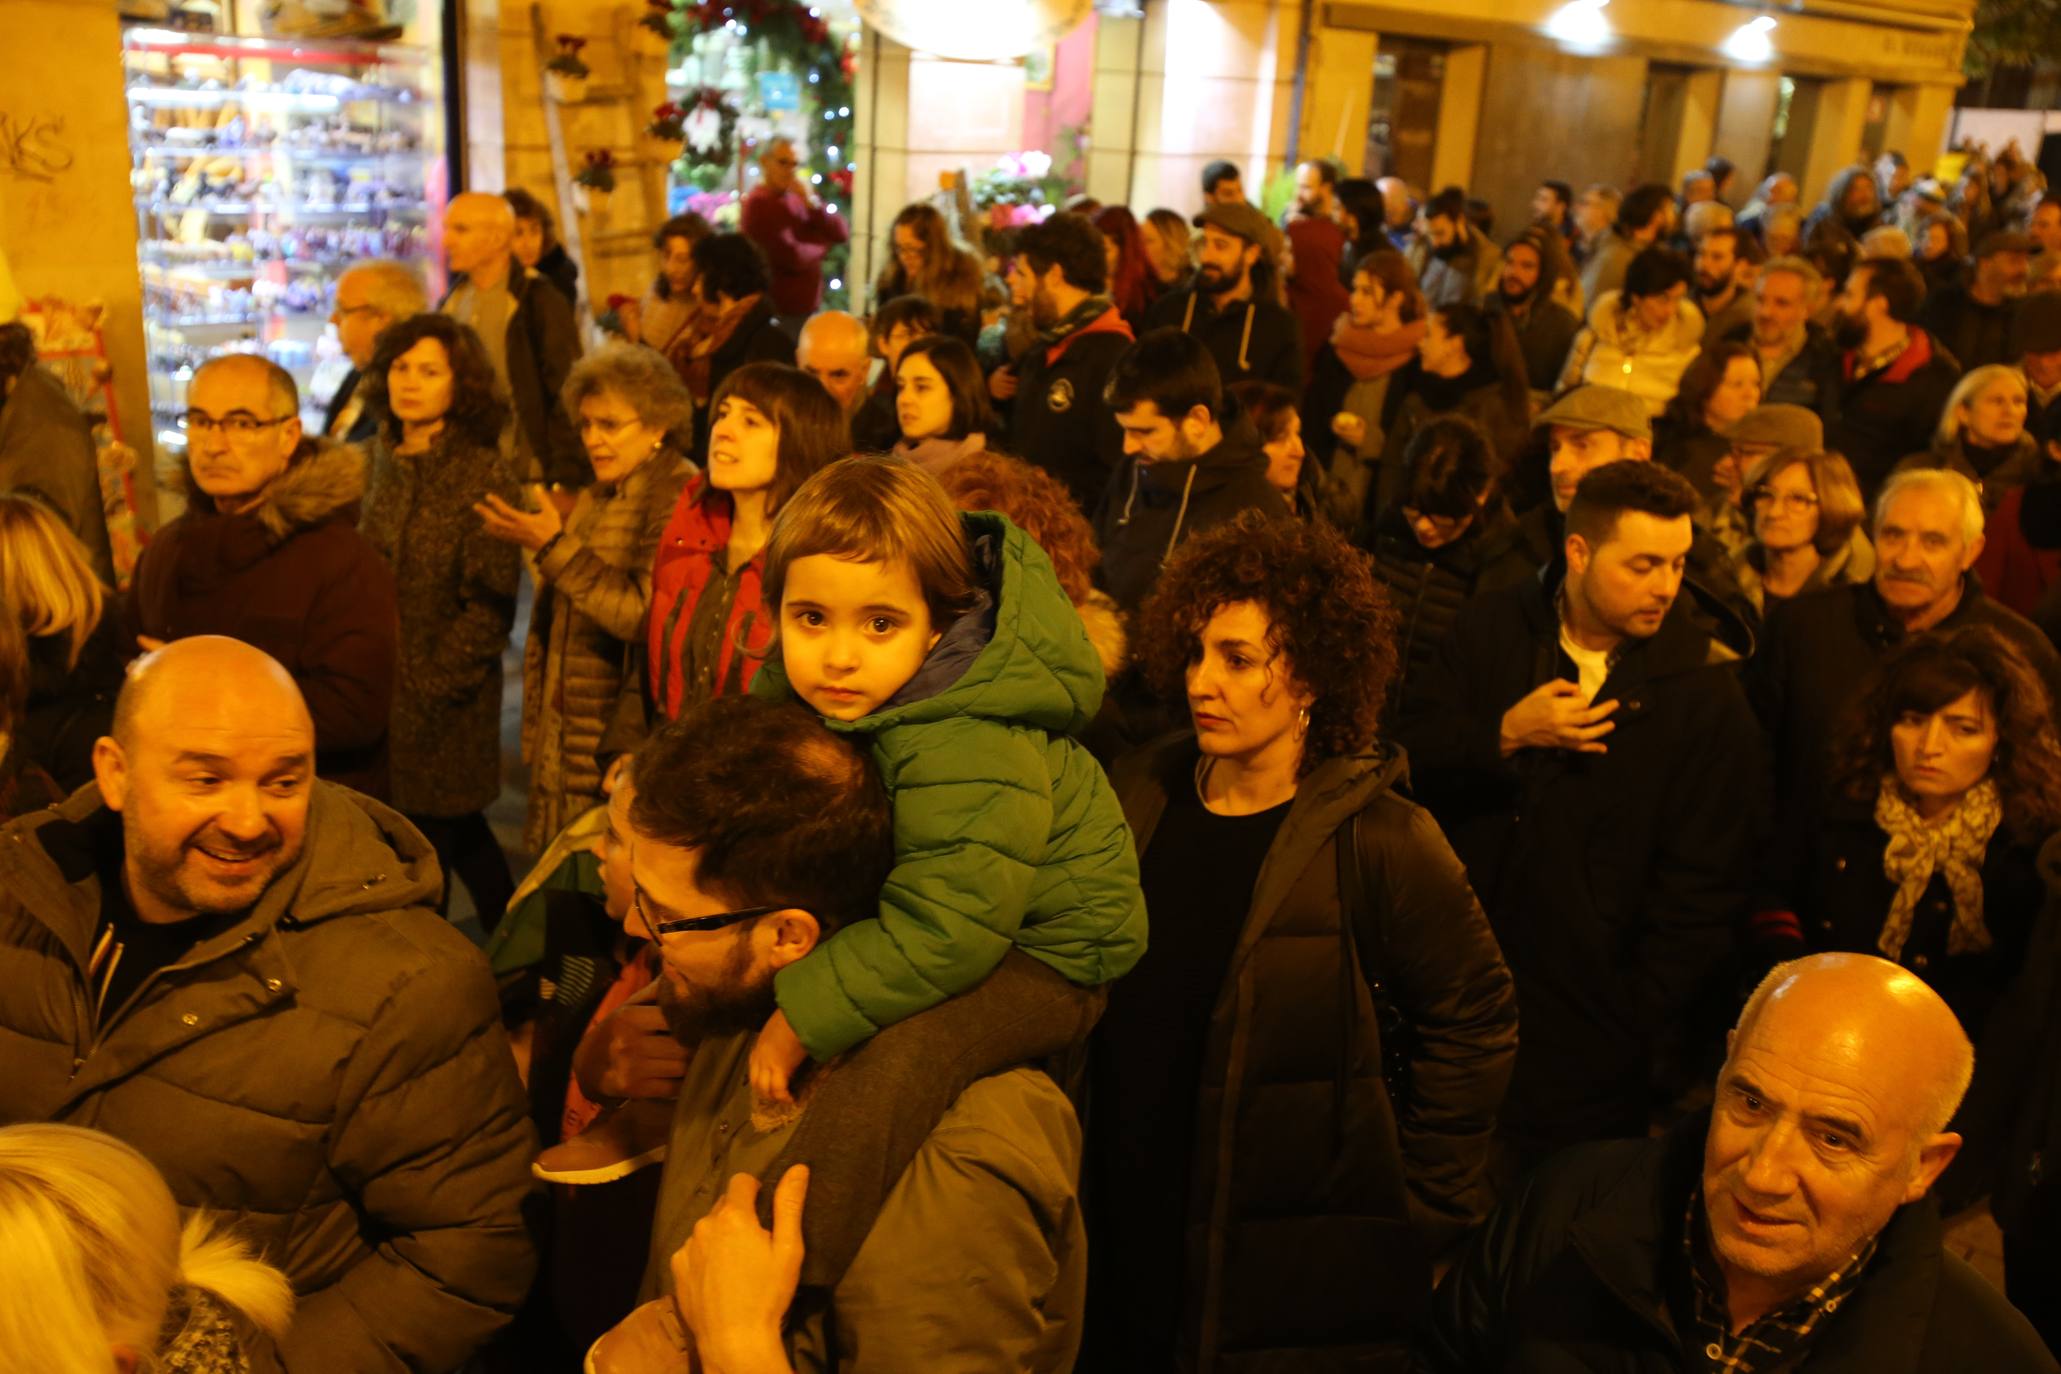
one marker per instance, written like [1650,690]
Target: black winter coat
[1429,587]
[293,577]
[1058,419]
[46,447]
[1253,339]
[1545,333]
[1571,1275]
[70,705]
[1151,507]
[1316,1202]
[1845,899]
[456,585]
[1614,881]
[1881,413]
[2012,1114]
[1976,334]
[1814,653]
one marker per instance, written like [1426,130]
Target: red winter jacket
[697,533]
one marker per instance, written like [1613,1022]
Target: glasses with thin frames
[236,426]
[715,922]
[1797,501]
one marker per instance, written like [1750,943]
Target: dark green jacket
[1006,831]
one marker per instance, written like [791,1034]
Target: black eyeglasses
[715,922]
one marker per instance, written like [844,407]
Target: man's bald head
[1885,1014]
[836,350]
[217,676]
[211,767]
[478,229]
[1828,1118]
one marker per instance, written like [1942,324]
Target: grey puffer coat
[456,587]
[597,588]
[329,1073]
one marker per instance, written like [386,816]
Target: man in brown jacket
[238,969]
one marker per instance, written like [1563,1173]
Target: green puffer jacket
[1006,830]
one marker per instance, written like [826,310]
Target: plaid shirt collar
[1708,1344]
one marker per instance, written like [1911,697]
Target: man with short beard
[756,834]
[1721,274]
[239,970]
[1533,264]
[1058,419]
[1233,305]
[1895,377]
[1454,261]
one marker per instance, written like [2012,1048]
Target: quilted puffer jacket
[574,661]
[329,1072]
[1006,830]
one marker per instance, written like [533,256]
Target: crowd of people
[1187,791]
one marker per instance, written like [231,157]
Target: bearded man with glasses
[268,552]
[755,834]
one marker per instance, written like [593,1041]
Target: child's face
[852,634]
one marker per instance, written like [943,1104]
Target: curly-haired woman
[1302,1085]
[438,452]
[593,571]
[1946,778]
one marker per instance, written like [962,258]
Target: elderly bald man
[239,970]
[791,227]
[837,350]
[1787,1228]
[529,334]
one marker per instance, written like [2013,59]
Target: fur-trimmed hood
[325,477]
[1105,625]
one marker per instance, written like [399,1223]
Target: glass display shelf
[262,169]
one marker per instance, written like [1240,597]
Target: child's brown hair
[877,508]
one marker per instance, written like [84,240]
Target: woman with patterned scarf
[1949,771]
[1946,779]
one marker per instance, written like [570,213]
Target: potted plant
[565,76]
[654,30]
[665,133]
[594,182]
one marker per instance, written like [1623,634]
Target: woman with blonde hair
[60,657]
[925,262]
[1981,433]
[99,1275]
